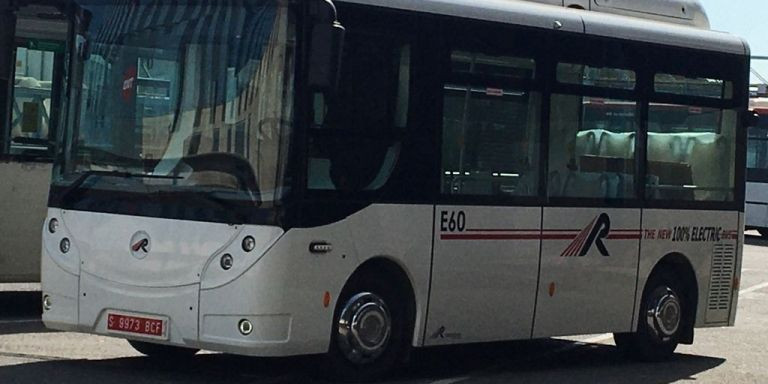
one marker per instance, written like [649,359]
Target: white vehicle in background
[757,169]
[474,171]
[33,45]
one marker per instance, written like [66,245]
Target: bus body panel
[737,276]
[292,319]
[287,321]
[588,271]
[757,205]
[100,297]
[60,284]
[484,274]
[175,253]
[24,191]
[704,239]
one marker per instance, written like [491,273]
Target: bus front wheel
[661,322]
[368,338]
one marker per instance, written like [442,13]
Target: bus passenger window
[490,133]
[592,147]
[693,86]
[691,153]
[580,74]
[691,147]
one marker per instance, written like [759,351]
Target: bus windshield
[187,98]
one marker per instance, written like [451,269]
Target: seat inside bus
[685,160]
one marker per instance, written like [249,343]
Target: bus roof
[538,14]
[687,12]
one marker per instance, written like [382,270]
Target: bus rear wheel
[162,352]
[661,322]
[368,338]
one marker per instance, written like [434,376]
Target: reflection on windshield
[199,93]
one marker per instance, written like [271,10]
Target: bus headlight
[53,226]
[227,261]
[249,244]
[64,245]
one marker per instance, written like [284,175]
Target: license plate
[137,325]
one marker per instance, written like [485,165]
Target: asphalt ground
[29,354]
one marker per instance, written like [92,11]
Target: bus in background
[459,172]
[33,50]
[757,169]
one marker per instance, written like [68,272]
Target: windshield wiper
[84,176]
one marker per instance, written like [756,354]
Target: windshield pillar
[7,64]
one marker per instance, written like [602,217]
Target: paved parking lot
[31,355]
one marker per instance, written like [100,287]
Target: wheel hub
[364,328]
[665,314]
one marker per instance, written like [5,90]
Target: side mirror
[326,47]
[752,119]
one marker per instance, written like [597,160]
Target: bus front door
[484,274]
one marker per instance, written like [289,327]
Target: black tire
[163,352]
[650,342]
[763,233]
[336,365]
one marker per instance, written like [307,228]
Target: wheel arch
[391,267]
[681,266]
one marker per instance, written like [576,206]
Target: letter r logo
[600,231]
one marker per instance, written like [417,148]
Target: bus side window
[354,144]
[490,126]
[691,147]
[592,139]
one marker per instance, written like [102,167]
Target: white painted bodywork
[484,289]
[698,253]
[24,190]
[593,291]
[279,286]
[488,282]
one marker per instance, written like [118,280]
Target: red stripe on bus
[578,240]
[490,237]
[502,230]
[624,237]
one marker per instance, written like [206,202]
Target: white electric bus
[33,36]
[757,169]
[460,171]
